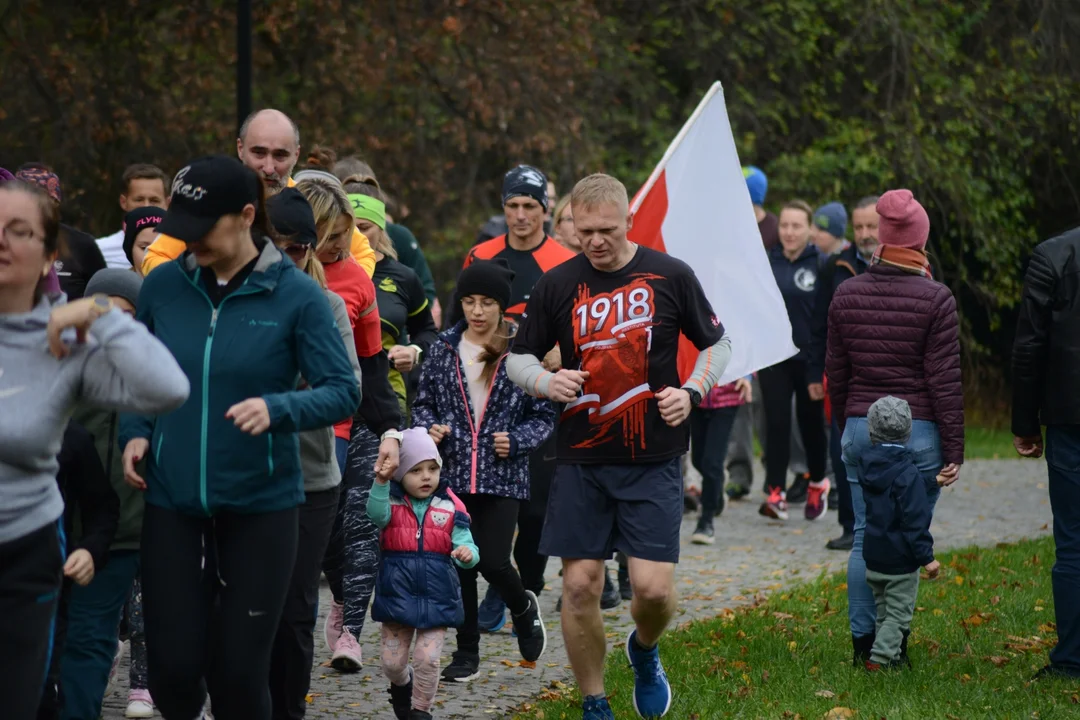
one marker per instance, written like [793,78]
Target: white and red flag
[695,206]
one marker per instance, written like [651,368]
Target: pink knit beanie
[416,447]
[902,221]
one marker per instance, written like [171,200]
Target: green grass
[979,633]
[988,444]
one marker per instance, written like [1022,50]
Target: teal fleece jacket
[275,327]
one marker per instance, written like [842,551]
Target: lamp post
[243,61]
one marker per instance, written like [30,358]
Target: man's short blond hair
[599,189]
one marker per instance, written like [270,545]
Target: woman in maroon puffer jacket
[894,331]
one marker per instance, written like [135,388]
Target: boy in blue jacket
[897,540]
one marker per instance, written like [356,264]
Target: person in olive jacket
[894,331]
[1046,391]
[224,481]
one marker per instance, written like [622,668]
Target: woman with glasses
[53,355]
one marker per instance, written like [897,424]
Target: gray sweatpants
[894,596]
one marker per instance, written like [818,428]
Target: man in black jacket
[1046,391]
[846,264]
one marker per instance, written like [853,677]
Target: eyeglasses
[14,235]
[296,249]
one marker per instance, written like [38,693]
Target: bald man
[269,144]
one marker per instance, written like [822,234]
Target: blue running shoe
[492,613]
[652,693]
[593,709]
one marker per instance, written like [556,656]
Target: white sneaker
[140,705]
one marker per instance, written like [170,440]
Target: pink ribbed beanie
[902,221]
[416,447]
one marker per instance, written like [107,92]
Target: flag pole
[640,197]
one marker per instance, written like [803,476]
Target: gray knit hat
[890,421]
[116,282]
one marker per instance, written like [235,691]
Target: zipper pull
[417,533]
[213,322]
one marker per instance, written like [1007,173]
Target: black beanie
[490,278]
[527,181]
[137,220]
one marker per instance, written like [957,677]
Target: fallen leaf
[995,600]
[959,579]
[508,663]
[1048,627]
[825,693]
[530,664]
[998,660]
[839,713]
[308,699]
[783,616]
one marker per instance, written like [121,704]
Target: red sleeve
[367,332]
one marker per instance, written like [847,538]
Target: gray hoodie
[318,461]
[120,367]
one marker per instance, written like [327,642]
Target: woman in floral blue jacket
[485,427]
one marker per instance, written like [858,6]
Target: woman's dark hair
[49,213]
[494,350]
[262,225]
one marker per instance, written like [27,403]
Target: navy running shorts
[594,510]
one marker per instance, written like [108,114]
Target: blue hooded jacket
[468,451]
[260,339]
[897,539]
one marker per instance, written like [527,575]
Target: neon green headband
[369,208]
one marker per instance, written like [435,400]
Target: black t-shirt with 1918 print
[623,328]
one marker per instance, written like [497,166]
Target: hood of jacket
[27,330]
[881,466]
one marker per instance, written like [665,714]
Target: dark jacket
[1046,352]
[275,327]
[91,508]
[836,269]
[468,451]
[897,540]
[797,280]
[895,333]
[418,584]
[104,426]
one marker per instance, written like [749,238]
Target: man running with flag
[616,312]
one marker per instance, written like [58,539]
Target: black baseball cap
[203,192]
[291,215]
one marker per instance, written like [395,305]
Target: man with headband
[269,144]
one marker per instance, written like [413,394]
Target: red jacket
[894,333]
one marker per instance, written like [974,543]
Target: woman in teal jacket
[223,479]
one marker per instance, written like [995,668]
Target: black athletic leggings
[493,520]
[213,592]
[30,575]
[778,383]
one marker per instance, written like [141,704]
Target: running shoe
[817,500]
[775,506]
[347,654]
[531,634]
[463,667]
[401,698]
[703,534]
[140,705]
[652,692]
[333,624]
[491,615]
[736,491]
[596,709]
[800,487]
